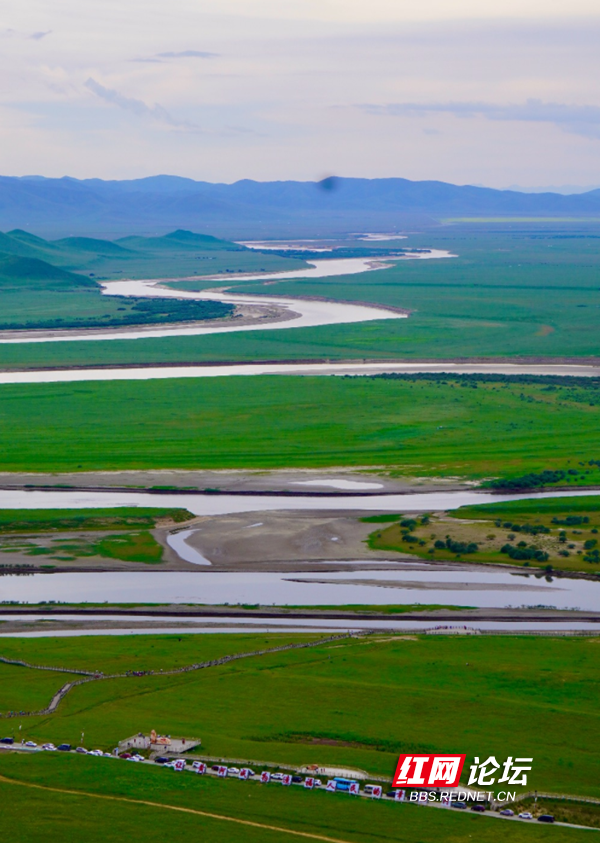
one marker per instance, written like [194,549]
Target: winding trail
[88,676]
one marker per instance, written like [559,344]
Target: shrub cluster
[529,481]
[572,520]
[457,547]
[523,553]
[530,529]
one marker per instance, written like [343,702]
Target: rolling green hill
[54,284]
[19,272]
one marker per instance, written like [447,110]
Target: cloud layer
[224,89]
[581,120]
[138,107]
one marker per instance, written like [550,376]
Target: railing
[538,794]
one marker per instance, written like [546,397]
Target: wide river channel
[300,313]
[412,583]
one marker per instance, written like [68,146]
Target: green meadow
[56,284]
[56,520]
[470,427]
[26,532]
[352,702]
[525,290]
[93,799]
[559,533]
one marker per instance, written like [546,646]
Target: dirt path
[194,811]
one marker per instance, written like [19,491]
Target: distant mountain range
[250,209]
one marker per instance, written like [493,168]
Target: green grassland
[35,295]
[562,541]
[133,546]
[116,654]
[414,425]
[26,532]
[179,254]
[524,291]
[71,811]
[356,703]
[52,520]
[55,284]
[532,509]
[564,811]
[20,691]
[508,293]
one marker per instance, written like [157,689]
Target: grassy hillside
[18,273]
[356,703]
[466,426]
[180,253]
[33,271]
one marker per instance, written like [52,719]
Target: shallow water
[214,625]
[300,369]
[433,584]
[177,541]
[482,589]
[201,504]
[345,485]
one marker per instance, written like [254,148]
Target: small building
[332,772]
[164,744]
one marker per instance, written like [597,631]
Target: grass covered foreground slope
[353,702]
[470,426]
[99,800]
[553,533]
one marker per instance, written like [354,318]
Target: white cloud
[581,120]
[135,106]
[188,54]
[288,76]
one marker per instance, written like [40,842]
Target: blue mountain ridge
[247,208]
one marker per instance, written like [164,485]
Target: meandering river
[305,313]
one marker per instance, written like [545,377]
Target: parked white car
[525,815]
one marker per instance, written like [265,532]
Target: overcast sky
[466,91]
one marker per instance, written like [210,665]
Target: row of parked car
[50,747]
[339,783]
[505,812]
